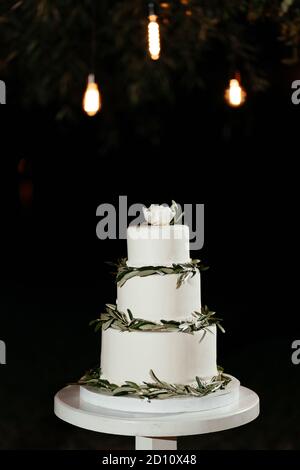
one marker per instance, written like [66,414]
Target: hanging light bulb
[91,99]
[153,34]
[235,95]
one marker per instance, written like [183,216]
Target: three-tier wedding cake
[158,341]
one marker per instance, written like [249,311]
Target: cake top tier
[156,242]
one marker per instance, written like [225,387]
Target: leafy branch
[184,271]
[178,214]
[157,388]
[122,321]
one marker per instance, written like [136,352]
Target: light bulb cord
[93,35]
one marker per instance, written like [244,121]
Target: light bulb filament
[235,95]
[153,37]
[91,99]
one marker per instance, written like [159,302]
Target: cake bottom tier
[222,398]
[174,357]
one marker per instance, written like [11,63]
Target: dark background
[240,163]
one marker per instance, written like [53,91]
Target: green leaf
[148,272]
[123,391]
[104,382]
[111,307]
[105,316]
[130,314]
[117,325]
[170,322]
[149,326]
[153,377]
[132,384]
[167,270]
[200,385]
[107,324]
[98,327]
[164,395]
[126,277]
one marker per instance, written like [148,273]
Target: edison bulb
[91,99]
[235,95]
[153,37]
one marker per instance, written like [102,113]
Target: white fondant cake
[157,298]
[175,357]
[224,399]
[157,245]
[159,345]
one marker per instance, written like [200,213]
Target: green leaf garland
[157,389]
[183,270]
[113,318]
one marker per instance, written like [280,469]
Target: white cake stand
[153,431]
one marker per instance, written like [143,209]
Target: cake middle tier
[173,357]
[156,297]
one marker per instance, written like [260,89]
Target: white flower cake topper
[159,214]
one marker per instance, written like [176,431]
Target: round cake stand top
[69,408]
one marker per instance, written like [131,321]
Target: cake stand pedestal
[153,430]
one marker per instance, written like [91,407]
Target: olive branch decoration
[184,271]
[125,321]
[157,389]
[178,214]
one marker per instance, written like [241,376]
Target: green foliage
[113,318]
[178,214]
[184,271]
[157,388]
